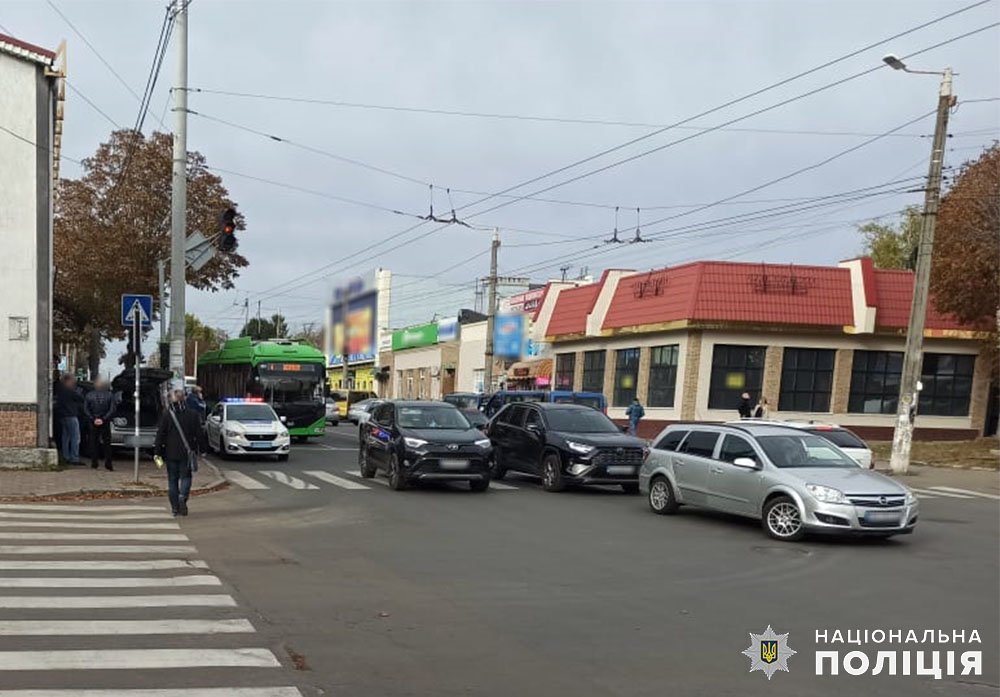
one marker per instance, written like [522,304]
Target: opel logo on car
[882,500]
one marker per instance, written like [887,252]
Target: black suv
[564,444]
[424,441]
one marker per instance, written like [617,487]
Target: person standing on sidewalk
[99,407]
[69,404]
[177,440]
[635,412]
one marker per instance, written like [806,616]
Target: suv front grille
[618,456]
[876,500]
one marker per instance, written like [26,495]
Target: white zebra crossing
[933,493]
[969,492]
[288,480]
[245,481]
[60,616]
[335,480]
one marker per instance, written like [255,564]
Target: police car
[246,427]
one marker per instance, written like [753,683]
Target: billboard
[527,302]
[508,336]
[355,334]
[415,337]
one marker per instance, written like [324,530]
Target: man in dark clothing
[68,406]
[177,441]
[196,402]
[99,407]
[745,409]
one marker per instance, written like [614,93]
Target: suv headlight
[415,443]
[826,494]
[484,443]
[581,448]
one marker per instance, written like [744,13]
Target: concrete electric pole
[909,386]
[491,312]
[178,198]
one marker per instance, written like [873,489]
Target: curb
[217,483]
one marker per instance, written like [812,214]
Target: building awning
[538,368]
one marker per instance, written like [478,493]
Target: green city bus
[284,373]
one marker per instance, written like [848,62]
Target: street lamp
[909,384]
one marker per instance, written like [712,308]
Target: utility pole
[178,198]
[491,312]
[344,354]
[909,386]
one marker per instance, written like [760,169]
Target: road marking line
[924,496]
[87,526]
[970,492]
[77,516]
[153,692]
[376,480]
[502,487]
[335,480]
[86,509]
[95,549]
[331,447]
[933,492]
[63,602]
[129,627]
[105,582]
[135,659]
[87,536]
[242,480]
[142,565]
[288,480]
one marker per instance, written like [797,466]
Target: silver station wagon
[791,480]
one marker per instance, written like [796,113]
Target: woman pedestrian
[178,437]
[761,410]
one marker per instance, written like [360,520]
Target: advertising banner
[357,333]
[508,336]
[415,337]
[447,329]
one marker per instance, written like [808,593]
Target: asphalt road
[366,592]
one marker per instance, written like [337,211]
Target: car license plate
[261,444]
[882,516]
[451,464]
[621,470]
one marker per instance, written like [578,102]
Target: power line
[91,104]
[36,145]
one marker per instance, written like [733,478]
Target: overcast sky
[641,63]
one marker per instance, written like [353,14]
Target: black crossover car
[424,441]
[564,444]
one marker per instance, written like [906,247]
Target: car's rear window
[839,437]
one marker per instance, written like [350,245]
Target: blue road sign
[141,304]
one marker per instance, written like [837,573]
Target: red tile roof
[735,292]
[572,307]
[894,295]
[16,47]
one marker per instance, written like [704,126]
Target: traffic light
[227,230]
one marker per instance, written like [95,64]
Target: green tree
[893,245]
[199,338]
[113,224]
[265,328]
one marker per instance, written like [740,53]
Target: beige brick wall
[578,372]
[609,375]
[771,381]
[980,394]
[842,365]
[18,426]
[642,384]
[689,381]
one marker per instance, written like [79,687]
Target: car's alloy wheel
[552,479]
[396,479]
[782,520]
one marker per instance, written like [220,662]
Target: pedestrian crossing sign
[141,305]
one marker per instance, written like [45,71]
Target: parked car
[346,399]
[476,418]
[246,427]
[466,401]
[841,437]
[332,412]
[360,411]
[151,406]
[414,441]
[564,444]
[791,480]
[503,397]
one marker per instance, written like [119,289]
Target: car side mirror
[284,419]
[746,463]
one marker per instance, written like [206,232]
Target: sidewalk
[923,476]
[84,482]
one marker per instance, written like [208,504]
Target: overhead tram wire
[297,283]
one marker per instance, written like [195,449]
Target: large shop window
[593,371]
[875,382]
[626,376]
[565,367]
[947,380]
[662,375]
[735,370]
[806,379]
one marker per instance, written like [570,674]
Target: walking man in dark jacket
[68,407]
[99,407]
[177,440]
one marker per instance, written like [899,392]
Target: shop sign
[415,337]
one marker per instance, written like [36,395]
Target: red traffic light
[227,222]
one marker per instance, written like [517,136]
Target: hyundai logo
[452,446]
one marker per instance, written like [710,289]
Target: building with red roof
[817,343]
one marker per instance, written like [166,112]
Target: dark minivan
[415,441]
[564,444]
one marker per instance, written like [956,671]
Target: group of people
[746,411]
[74,410]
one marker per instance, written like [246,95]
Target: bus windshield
[289,380]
